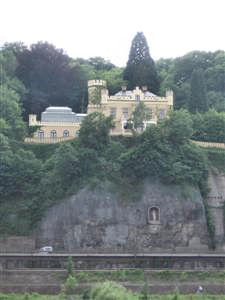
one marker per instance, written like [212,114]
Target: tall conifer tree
[198,99]
[140,69]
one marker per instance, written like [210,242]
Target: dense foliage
[209,127]
[165,152]
[177,73]
[51,77]
[198,101]
[33,185]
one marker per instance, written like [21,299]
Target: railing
[48,140]
[53,140]
[209,144]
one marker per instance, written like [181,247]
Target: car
[46,249]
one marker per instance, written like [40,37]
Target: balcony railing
[47,140]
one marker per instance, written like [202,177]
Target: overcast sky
[87,28]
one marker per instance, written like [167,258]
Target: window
[137,97]
[127,125]
[53,134]
[162,113]
[41,134]
[66,133]
[113,111]
[150,113]
[153,215]
[77,133]
[125,112]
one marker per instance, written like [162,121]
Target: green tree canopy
[178,127]
[198,98]
[10,114]
[176,74]
[141,114]
[50,78]
[140,69]
[94,132]
[209,127]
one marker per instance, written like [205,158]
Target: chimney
[124,88]
[144,88]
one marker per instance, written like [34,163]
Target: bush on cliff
[165,152]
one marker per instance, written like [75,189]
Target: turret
[97,92]
[32,120]
[169,97]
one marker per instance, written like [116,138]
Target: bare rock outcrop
[164,218]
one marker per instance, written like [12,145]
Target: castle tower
[32,120]
[169,97]
[97,92]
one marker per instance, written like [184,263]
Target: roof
[124,93]
[130,93]
[149,94]
[58,109]
[61,114]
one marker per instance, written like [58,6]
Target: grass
[120,275]
[189,276]
[141,276]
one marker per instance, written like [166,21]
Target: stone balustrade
[47,140]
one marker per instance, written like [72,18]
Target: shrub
[110,290]
[70,285]
[69,266]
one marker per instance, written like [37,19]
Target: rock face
[163,218]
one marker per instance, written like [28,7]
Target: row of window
[53,133]
[125,112]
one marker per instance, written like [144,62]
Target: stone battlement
[132,98]
[96,83]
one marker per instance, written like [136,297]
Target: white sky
[87,28]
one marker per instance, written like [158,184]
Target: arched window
[66,133]
[154,215]
[53,133]
[41,134]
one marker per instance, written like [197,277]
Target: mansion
[122,104]
[60,123]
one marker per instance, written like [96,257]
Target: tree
[69,266]
[198,99]
[176,74]
[94,132]
[10,114]
[178,127]
[140,69]
[50,78]
[100,63]
[210,126]
[140,114]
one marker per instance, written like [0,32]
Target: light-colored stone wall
[47,127]
[59,127]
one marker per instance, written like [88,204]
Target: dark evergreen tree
[140,69]
[198,99]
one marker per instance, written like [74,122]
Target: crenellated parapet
[96,82]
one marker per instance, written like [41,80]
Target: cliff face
[163,218]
